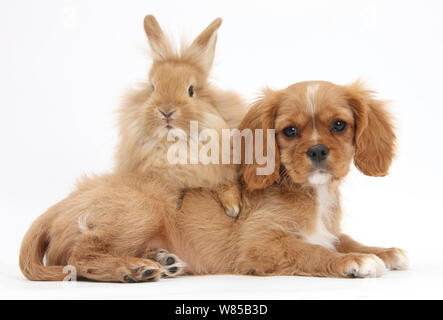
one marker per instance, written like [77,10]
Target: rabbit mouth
[168,124]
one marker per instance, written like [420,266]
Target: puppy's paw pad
[141,271]
[129,279]
[172,265]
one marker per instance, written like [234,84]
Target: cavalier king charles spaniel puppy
[121,228]
[320,128]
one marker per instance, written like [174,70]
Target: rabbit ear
[261,116]
[202,49]
[160,45]
[374,132]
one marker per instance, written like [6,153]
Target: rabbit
[178,92]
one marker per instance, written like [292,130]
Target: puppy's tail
[33,250]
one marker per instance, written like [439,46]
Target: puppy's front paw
[394,259]
[230,197]
[361,266]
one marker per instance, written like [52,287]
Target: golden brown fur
[279,231]
[144,128]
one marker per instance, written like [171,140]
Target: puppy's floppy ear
[374,133]
[260,116]
[160,45]
[202,49]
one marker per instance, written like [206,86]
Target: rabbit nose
[167,115]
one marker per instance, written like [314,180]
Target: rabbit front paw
[230,198]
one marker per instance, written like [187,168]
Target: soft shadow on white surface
[421,282]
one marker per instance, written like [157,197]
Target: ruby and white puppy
[320,128]
[290,221]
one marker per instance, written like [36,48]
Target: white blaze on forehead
[311,93]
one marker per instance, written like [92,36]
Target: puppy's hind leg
[172,265]
[93,260]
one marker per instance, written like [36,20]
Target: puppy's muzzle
[318,153]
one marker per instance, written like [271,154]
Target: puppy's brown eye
[191,91]
[338,126]
[290,132]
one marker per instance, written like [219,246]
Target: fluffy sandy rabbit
[177,93]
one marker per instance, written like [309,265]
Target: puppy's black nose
[318,153]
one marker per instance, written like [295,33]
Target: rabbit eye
[152,88]
[191,91]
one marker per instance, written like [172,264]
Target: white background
[65,63]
